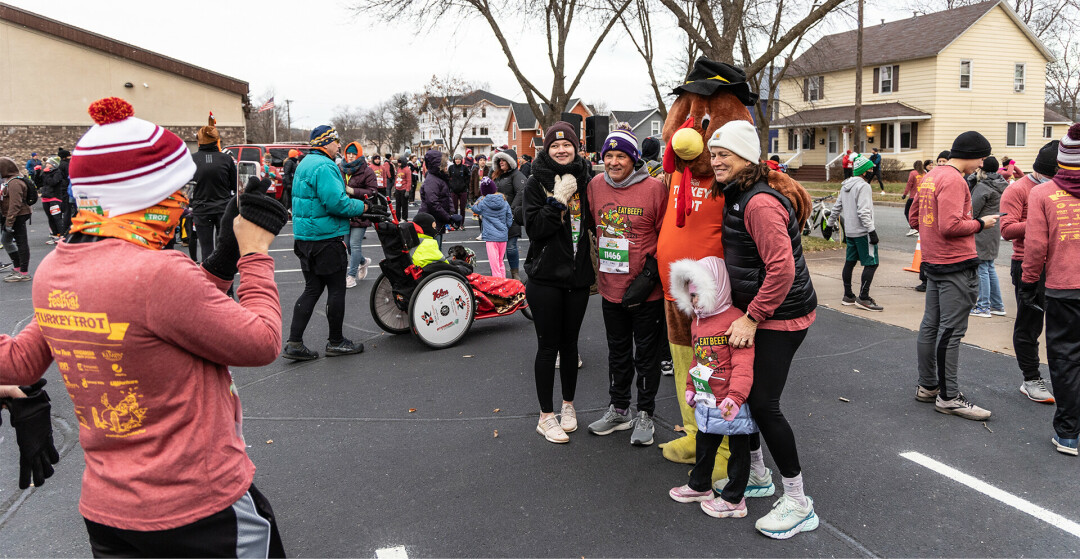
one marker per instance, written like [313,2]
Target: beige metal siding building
[53,71]
[925,80]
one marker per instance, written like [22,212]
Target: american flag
[267,106]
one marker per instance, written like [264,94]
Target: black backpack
[31,196]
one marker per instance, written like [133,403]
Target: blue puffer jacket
[497,217]
[321,208]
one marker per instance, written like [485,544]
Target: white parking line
[391,553]
[1052,518]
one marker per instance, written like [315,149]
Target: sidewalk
[894,289]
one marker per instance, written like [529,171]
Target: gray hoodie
[856,205]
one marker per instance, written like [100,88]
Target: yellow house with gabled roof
[926,79]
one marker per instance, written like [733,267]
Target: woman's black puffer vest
[746,269]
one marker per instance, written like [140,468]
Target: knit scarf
[1068,178]
[637,176]
[151,227]
[352,168]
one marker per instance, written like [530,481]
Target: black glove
[33,432]
[826,232]
[375,214]
[1029,296]
[902,196]
[873,238]
[456,219]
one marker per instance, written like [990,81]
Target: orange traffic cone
[916,261]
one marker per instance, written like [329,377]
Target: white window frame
[813,88]
[1019,139]
[881,79]
[963,75]
[1020,83]
[655,128]
[513,129]
[1048,131]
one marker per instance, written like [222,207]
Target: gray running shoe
[643,430]
[962,407]
[611,422]
[848,300]
[1036,391]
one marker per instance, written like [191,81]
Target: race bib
[399,183]
[379,179]
[54,209]
[575,220]
[700,375]
[614,255]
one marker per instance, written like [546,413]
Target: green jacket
[321,208]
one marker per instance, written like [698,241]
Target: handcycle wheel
[384,310]
[442,309]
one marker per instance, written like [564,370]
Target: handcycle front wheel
[384,310]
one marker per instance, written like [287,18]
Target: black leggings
[20,252]
[206,228]
[557,316]
[334,283]
[55,212]
[773,352]
[401,204]
[867,278]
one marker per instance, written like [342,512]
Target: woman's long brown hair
[745,179]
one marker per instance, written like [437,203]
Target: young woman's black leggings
[334,284]
[773,352]
[20,252]
[55,212]
[557,316]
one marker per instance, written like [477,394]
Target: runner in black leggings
[560,270]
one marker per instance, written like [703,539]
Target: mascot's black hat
[708,76]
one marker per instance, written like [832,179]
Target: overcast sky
[320,55]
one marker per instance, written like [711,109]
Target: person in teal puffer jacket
[321,212]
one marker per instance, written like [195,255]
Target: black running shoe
[297,351]
[344,347]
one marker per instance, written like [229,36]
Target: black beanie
[426,223]
[970,145]
[650,149]
[943,155]
[990,165]
[1046,161]
[63,153]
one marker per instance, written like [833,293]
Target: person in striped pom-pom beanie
[144,338]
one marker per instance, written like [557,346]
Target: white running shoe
[788,518]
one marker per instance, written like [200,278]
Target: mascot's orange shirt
[699,237]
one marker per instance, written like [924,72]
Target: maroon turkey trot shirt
[630,218]
[143,340]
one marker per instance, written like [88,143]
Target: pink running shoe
[684,494]
[719,508]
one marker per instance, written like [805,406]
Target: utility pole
[288,115]
[858,82]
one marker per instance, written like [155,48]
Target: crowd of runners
[701,274]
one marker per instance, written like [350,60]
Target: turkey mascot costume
[714,94]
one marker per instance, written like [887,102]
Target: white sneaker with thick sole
[788,518]
[756,487]
[960,406]
[350,282]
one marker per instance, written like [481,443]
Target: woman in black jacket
[560,270]
[510,182]
[435,194]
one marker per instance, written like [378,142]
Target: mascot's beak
[669,153]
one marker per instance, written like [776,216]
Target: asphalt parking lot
[436,451]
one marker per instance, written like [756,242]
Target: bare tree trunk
[858,80]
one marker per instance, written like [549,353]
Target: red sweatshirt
[1014,202]
[143,340]
[631,216]
[913,180]
[1053,237]
[942,214]
[403,180]
[766,221]
[733,369]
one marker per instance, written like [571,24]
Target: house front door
[833,143]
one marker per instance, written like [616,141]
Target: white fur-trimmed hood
[709,276]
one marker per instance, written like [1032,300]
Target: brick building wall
[19,141]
